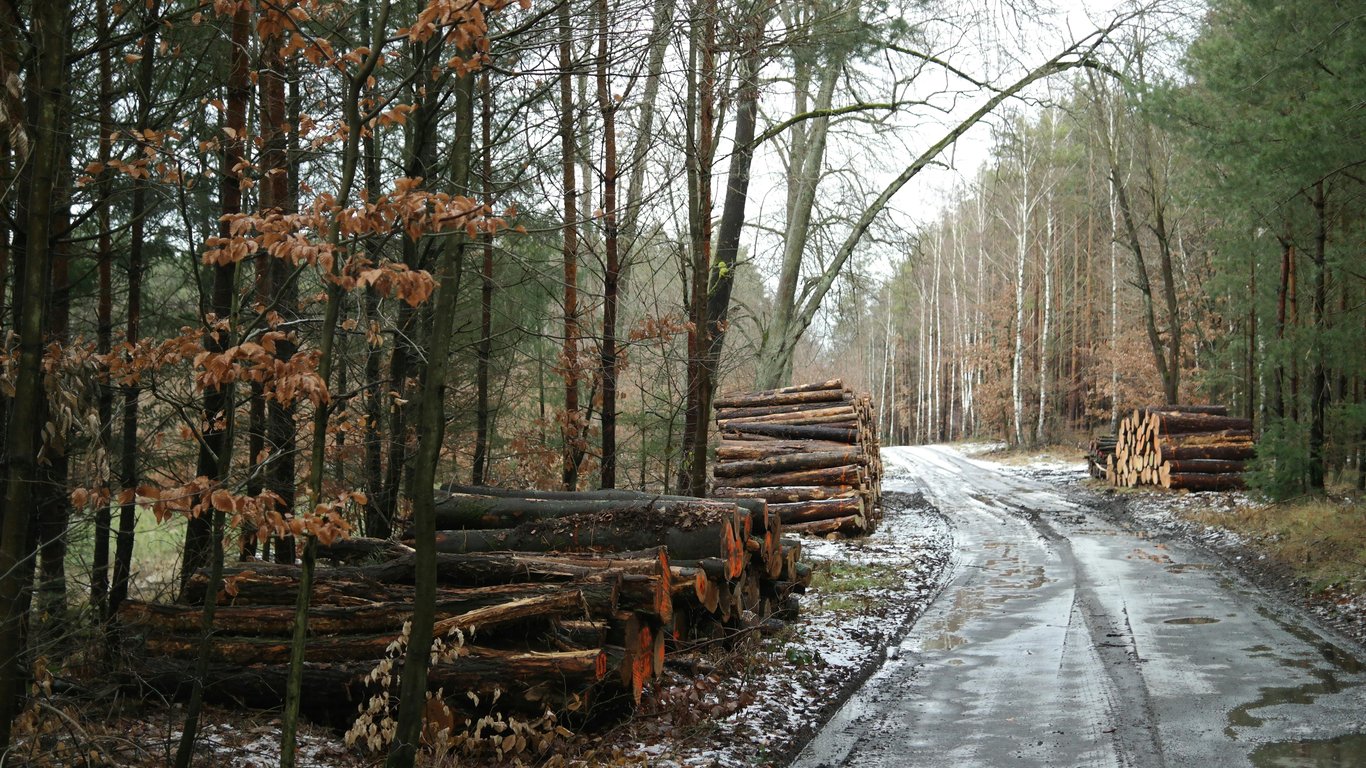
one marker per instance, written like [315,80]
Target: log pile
[1191,447]
[560,600]
[811,451]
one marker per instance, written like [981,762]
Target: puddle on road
[1187,567]
[1342,751]
[1188,620]
[1326,683]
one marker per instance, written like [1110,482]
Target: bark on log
[1180,423]
[790,494]
[360,584]
[599,592]
[812,393]
[1208,410]
[833,434]
[846,475]
[789,463]
[458,510]
[755,506]
[840,412]
[850,525]
[702,531]
[1206,466]
[824,509]
[1213,451]
[1202,482]
[528,681]
[750,450]
[769,410]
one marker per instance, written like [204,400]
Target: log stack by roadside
[811,451]
[562,599]
[1191,447]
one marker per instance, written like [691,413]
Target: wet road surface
[1060,640]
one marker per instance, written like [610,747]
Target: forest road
[1060,640]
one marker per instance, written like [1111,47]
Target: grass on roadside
[1322,540]
[844,587]
[1052,453]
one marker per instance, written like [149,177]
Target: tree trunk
[612,270]
[215,413]
[479,468]
[431,428]
[572,431]
[140,212]
[51,21]
[1319,373]
[104,317]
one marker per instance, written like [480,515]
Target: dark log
[354,585]
[528,682]
[1202,482]
[850,525]
[790,494]
[823,509]
[362,549]
[755,506]
[457,510]
[841,411]
[598,592]
[849,474]
[703,530]
[777,464]
[1208,410]
[1206,466]
[833,434]
[742,450]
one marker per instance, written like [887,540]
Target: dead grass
[1019,456]
[1322,540]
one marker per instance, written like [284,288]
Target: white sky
[999,45]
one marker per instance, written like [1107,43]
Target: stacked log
[572,598]
[1191,447]
[1098,454]
[811,451]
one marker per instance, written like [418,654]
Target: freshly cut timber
[793,450]
[1197,448]
[589,590]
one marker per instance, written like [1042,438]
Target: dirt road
[1060,640]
